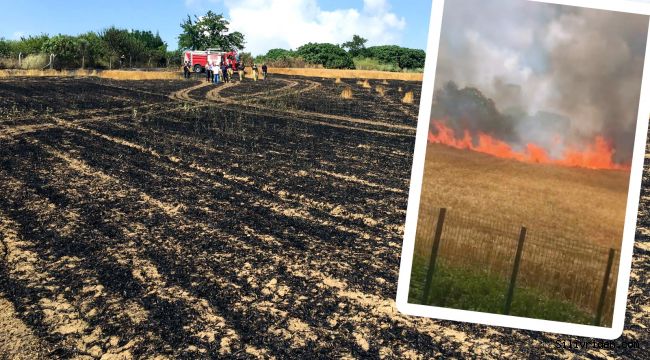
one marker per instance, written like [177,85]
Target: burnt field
[179,219]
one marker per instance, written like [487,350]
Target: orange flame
[597,155]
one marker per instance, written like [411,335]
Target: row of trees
[110,48]
[347,55]
[114,47]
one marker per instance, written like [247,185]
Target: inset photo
[527,166]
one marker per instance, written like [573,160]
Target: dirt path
[183,94]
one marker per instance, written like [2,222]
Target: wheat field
[571,203]
[573,217]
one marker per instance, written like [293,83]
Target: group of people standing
[224,72]
[256,72]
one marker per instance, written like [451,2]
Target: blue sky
[267,23]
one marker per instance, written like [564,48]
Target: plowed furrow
[311,227]
[294,327]
[245,177]
[27,282]
[295,324]
[145,270]
[94,284]
[158,297]
[290,184]
[279,162]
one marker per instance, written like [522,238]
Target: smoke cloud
[469,109]
[549,69]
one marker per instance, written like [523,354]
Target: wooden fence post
[603,291]
[515,270]
[434,254]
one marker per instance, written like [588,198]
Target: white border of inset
[636,173]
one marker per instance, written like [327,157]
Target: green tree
[278,57]
[209,31]
[6,47]
[31,44]
[174,58]
[136,50]
[356,47]
[411,59]
[387,54]
[277,54]
[403,58]
[117,42]
[475,111]
[155,49]
[66,48]
[95,50]
[150,41]
[329,55]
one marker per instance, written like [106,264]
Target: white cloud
[271,24]
[17,35]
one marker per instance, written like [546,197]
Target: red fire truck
[199,59]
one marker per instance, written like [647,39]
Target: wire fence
[571,270]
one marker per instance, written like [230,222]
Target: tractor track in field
[183,94]
[214,95]
[313,85]
[171,230]
[248,104]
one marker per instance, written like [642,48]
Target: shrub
[329,55]
[246,58]
[412,59]
[289,62]
[278,54]
[8,63]
[373,64]
[35,62]
[403,58]
[387,54]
